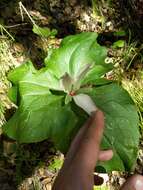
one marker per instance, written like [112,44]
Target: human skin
[78,168]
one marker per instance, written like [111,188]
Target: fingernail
[139,185]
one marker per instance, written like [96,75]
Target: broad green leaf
[74,53]
[96,73]
[28,79]
[40,117]
[42,79]
[101,81]
[24,70]
[121,131]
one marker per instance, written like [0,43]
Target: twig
[2,28]
[16,25]
[22,8]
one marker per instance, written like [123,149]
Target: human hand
[78,168]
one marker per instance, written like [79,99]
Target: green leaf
[121,131]
[28,79]
[39,117]
[12,94]
[68,99]
[96,73]
[54,32]
[74,53]
[55,165]
[24,70]
[43,31]
[119,44]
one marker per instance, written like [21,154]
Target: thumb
[89,147]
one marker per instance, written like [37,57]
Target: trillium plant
[55,101]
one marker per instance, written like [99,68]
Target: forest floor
[34,166]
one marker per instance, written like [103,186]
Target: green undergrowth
[101,188]
[7,62]
[128,72]
[134,87]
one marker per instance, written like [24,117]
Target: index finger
[88,151]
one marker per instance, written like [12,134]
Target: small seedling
[44,32]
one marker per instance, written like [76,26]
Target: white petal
[85,102]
